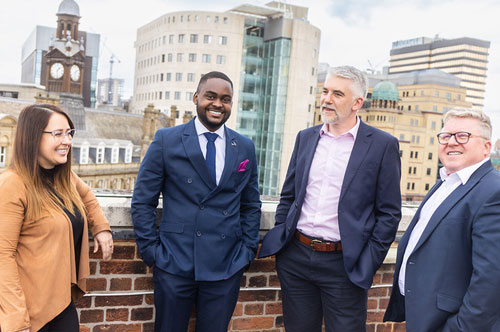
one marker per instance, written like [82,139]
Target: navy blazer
[453,274]
[207,231]
[370,200]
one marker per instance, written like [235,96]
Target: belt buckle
[315,241]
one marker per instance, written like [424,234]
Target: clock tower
[66,57]
[66,62]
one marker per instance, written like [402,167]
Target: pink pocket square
[243,166]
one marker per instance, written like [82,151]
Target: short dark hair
[214,74]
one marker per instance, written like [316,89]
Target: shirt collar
[464,174]
[353,131]
[201,129]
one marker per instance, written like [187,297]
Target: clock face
[75,73]
[57,70]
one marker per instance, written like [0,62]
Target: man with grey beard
[338,214]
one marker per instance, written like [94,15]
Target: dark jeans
[66,321]
[314,286]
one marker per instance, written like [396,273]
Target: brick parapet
[120,297]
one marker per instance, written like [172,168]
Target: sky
[352,32]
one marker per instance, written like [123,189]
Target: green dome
[385,90]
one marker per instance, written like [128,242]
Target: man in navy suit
[338,214]
[209,231]
[447,275]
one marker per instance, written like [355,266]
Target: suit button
[408,291]
[198,233]
[296,204]
[189,180]
[223,236]
[411,262]
[224,212]
[202,206]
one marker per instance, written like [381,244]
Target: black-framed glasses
[60,134]
[462,137]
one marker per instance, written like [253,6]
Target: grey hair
[358,78]
[462,113]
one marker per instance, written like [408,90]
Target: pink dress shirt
[319,214]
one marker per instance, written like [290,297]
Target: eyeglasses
[60,134]
[462,137]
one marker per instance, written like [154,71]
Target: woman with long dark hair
[45,214]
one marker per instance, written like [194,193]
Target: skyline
[351,33]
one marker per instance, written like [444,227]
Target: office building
[271,54]
[466,58]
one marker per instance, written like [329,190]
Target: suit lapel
[310,144]
[451,201]
[358,153]
[406,236]
[193,151]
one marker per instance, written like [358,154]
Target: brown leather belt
[319,245]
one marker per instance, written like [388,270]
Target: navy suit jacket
[453,274]
[370,200]
[207,231]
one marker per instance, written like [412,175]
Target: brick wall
[120,296]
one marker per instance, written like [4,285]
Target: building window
[437,93]
[181,38]
[128,153]
[178,77]
[192,57]
[414,170]
[190,77]
[179,57]
[167,95]
[416,154]
[222,40]
[431,141]
[411,154]
[433,125]
[161,77]
[169,57]
[400,153]
[408,186]
[426,186]
[169,77]
[413,186]
[99,159]
[430,156]
[171,39]
[216,20]
[434,108]
[205,58]
[189,96]
[207,39]
[409,107]
[114,153]
[225,20]
[401,137]
[177,95]
[159,94]
[193,38]
[3,156]
[221,59]
[428,171]
[409,170]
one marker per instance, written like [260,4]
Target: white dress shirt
[450,183]
[220,146]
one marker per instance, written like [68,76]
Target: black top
[76,219]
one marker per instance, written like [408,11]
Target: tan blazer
[37,260]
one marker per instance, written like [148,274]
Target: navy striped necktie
[210,157]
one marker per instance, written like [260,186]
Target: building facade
[110,92]
[35,66]
[410,106]
[270,53]
[466,58]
